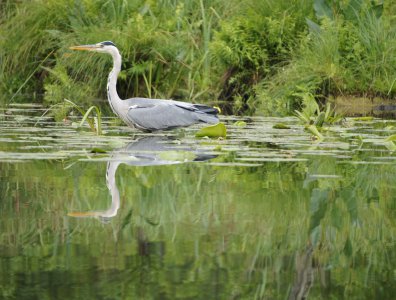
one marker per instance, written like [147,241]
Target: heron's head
[103,47]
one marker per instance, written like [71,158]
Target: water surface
[264,214]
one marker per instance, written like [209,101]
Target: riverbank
[361,106]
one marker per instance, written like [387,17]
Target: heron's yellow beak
[84,47]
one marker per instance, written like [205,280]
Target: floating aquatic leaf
[98,150]
[281,126]
[240,123]
[218,130]
[363,119]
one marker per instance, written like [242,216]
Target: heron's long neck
[112,95]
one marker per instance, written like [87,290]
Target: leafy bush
[347,53]
[249,47]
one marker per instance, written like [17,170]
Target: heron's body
[145,113]
[156,114]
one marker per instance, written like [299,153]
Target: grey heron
[149,114]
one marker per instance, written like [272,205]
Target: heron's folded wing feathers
[198,107]
[162,115]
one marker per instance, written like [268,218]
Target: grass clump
[95,123]
[164,45]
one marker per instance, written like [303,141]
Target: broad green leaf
[86,115]
[351,12]
[377,10]
[302,116]
[314,130]
[240,123]
[320,119]
[218,130]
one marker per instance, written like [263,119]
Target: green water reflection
[265,214]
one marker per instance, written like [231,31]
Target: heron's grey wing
[197,107]
[161,115]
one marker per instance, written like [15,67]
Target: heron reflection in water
[148,151]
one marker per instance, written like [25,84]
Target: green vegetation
[94,123]
[313,117]
[253,56]
[214,131]
[349,51]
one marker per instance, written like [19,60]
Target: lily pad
[363,119]
[281,126]
[240,123]
[98,150]
[214,131]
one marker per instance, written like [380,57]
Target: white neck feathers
[112,95]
